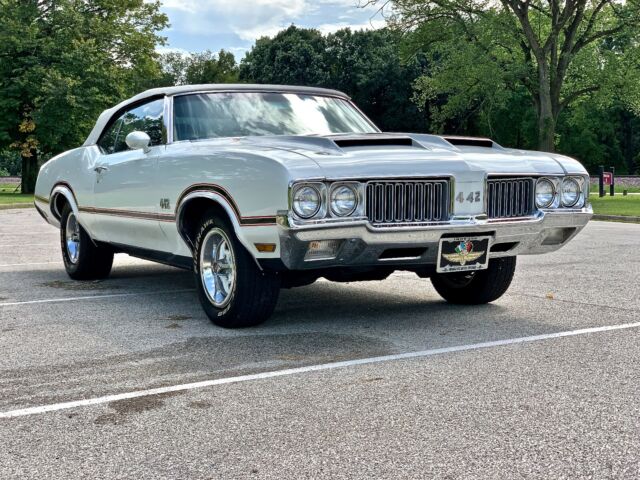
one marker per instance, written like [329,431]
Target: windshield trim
[169,107]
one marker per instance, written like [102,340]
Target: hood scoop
[470,141]
[366,141]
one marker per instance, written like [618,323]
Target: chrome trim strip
[258,90]
[168,118]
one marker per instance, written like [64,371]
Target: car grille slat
[407,201]
[510,197]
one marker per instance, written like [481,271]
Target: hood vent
[373,142]
[470,142]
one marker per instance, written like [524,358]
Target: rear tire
[475,288]
[233,291]
[83,260]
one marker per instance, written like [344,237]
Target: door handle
[100,169]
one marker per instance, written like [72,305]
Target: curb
[616,218]
[9,206]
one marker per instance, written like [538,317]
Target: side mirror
[137,140]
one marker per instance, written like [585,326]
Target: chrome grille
[393,202]
[510,197]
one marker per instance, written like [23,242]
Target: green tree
[295,56]
[364,64]
[559,52]
[197,68]
[10,162]
[64,61]
[207,67]
[173,66]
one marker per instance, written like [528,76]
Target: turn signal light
[322,249]
[265,247]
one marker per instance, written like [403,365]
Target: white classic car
[258,187]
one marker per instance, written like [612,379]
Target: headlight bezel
[554,192]
[558,203]
[356,197]
[325,215]
[579,192]
[321,200]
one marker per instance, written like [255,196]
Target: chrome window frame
[118,113]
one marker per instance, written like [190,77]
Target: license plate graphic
[463,254]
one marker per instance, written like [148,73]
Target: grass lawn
[617,205]
[618,189]
[6,198]
[7,187]
[7,195]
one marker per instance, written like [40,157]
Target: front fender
[248,230]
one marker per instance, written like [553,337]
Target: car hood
[406,155]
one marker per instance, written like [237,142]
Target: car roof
[105,116]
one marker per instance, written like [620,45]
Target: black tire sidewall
[486,286]
[93,262]
[255,295]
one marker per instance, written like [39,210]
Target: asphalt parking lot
[535,385]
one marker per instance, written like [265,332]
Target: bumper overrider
[358,243]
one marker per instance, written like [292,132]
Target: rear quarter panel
[74,169]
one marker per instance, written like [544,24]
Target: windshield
[240,114]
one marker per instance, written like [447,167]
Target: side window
[108,138]
[145,118]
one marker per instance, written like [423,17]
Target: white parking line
[92,297]
[27,245]
[11,230]
[28,263]
[312,368]
[23,225]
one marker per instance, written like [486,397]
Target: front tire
[83,260]
[476,288]
[233,291]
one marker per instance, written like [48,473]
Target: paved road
[557,407]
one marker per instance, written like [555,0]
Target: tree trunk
[546,133]
[628,151]
[29,172]
[546,115]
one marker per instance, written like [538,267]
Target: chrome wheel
[217,267]
[72,238]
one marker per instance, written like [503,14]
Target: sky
[234,25]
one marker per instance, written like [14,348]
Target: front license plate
[463,254]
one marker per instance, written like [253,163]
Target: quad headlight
[344,200]
[560,192]
[545,193]
[306,201]
[570,192]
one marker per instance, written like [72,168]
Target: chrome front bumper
[362,245]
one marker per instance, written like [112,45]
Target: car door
[125,197]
